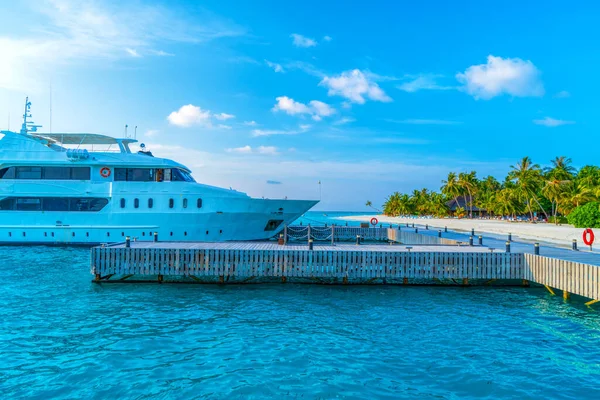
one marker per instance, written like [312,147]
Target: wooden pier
[407,258]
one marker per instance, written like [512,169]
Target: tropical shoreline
[556,234]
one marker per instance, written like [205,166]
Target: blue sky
[272,97]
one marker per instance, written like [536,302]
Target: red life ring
[374,221]
[105,172]
[590,240]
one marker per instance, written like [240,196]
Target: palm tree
[527,178]
[468,182]
[573,196]
[369,204]
[561,169]
[451,188]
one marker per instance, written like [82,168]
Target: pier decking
[409,258]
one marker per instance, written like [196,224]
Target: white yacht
[89,189]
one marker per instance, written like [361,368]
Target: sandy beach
[561,235]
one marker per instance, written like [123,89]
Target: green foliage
[554,192]
[586,216]
[558,220]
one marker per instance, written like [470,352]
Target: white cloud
[250,123]
[160,53]
[551,122]
[321,109]
[423,82]
[498,76]
[80,33]
[240,150]
[424,121]
[290,106]
[563,94]
[189,115]
[315,108]
[270,150]
[224,116]
[151,133]
[133,53]
[302,41]
[344,120]
[355,86]
[271,132]
[276,67]
[327,38]
[222,126]
[266,150]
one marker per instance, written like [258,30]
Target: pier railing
[347,233]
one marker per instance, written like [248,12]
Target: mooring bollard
[357,240]
[416,229]
[155,237]
[310,244]
[536,249]
[472,232]
[440,233]
[470,240]
[575,244]
[426,227]
[508,247]
[445,229]
[280,241]
[510,237]
[127,242]
[407,225]
[480,240]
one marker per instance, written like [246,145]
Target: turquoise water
[63,337]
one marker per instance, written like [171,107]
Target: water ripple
[64,337]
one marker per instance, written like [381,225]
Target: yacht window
[136,203]
[199,203]
[59,173]
[167,176]
[134,174]
[6,204]
[171,203]
[81,174]
[56,204]
[7,173]
[28,204]
[178,175]
[122,203]
[184,203]
[29,173]
[150,203]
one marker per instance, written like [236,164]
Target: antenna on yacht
[50,108]
[126,131]
[135,132]
[28,126]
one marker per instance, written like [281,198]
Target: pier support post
[283,279]
[221,279]
[345,280]
[97,277]
[575,244]
[470,240]
[160,278]
[536,249]
[508,247]
[525,283]
[566,295]
[465,282]
[127,242]
[280,241]
[155,237]
[405,281]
